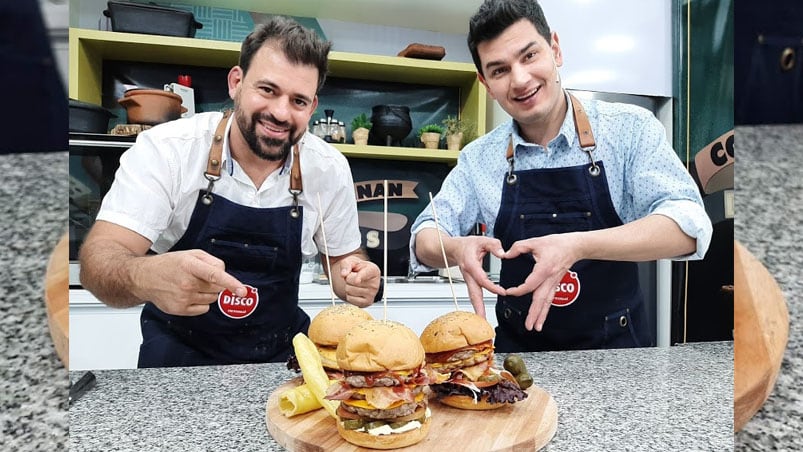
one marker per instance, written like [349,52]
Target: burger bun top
[455,330]
[380,345]
[333,322]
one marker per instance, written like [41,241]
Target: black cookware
[89,118]
[391,124]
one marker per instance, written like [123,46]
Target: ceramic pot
[453,141]
[391,124]
[431,140]
[151,106]
[360,136]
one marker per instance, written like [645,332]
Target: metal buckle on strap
[207,197]
[294,211]
[594,169]
[585,135]
[511,178]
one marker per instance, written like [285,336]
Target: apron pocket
[538,224]
[244,256]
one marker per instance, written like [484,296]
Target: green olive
[524,379]
[353,424]
[514,364]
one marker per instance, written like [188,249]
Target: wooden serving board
[761,330]
[57,298]
[525,425]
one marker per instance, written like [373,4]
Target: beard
[271,149]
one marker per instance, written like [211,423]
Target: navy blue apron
[261,247]
[600,303]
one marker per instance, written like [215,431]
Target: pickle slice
[395,425]
[374,424]
[353,424]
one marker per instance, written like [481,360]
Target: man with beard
[209,217]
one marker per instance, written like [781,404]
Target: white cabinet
[106,338]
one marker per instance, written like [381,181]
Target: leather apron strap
[216,150]
[296,184]
[585,136]
[581,126]
[214,164]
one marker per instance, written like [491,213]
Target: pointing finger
[218,277]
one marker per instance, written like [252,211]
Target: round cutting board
[761,330]
[57,298]
[525,425]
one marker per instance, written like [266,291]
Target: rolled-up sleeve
[692,220]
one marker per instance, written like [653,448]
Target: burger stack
[384,390]
[459,346]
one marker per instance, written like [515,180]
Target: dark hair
[300,45]
[495,16]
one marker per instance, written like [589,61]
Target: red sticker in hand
[238,307]
[568,290]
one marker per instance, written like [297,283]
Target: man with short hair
[574,193]
[229,205]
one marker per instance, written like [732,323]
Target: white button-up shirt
[157,185]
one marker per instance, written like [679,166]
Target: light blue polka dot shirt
[644,174]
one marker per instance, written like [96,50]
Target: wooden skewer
[385,248]
[326,250]
[443,252]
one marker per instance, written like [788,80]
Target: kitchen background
[39,422]
[640,53]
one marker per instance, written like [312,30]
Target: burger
[328,328]
[459,346]
[384,390]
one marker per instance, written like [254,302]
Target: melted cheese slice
[371,397]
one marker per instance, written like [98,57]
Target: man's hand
[183,282]
[554,255]
[471,251]
[361,278]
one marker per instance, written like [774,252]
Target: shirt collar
[567,129]
[228,162]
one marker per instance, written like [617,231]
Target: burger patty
[391,413]
[414,391]
[359,381]
[464,358]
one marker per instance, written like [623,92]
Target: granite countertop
[676,398]
[33,382]
[769,205]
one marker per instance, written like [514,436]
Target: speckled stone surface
[679,398]
[769,208]
[33,383]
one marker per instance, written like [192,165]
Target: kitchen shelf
[89,48]
[398,153]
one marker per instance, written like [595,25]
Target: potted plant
[458,132]
[360,126]
[430,135]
